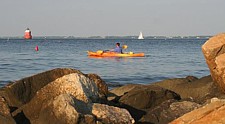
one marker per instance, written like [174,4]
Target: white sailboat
[140,36]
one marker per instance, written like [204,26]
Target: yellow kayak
[100,53]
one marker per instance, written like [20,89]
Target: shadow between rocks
[137,114]
[20,118]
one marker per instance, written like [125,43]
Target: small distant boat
[140,36]
[27,34]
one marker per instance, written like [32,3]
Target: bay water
[164,58]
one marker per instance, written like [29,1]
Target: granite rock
[214,53]
[212,113]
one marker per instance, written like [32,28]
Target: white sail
[140,36]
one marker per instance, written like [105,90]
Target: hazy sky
[112,17]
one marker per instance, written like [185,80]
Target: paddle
[100,51]
[124,46]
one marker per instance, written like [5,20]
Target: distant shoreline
[108,37]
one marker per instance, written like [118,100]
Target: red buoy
[36,48]
[27,34]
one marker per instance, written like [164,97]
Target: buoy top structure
[27,34]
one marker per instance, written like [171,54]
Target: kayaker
[118,49]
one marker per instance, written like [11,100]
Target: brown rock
[20,92]
[153,115]
[4,107]
[115,93]
[87,119]
[59,111]
[102,86]
[212,113]
[137,98]
[5,115]
[59,96]
[111,115]
[144,97]
[198,90]
[191,78]
[119,91]
[78,85]
[66,109]
[214,50]
[176,110]
[168,111]
[6,120]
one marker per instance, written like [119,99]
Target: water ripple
[163,59]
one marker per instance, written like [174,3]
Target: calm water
[165,58]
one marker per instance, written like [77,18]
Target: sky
[84,18]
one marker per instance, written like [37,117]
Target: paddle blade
[100,51]
[125,47]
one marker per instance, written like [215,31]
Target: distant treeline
[112,37]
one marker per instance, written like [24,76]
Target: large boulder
[59,96]
[18,93]
[139,99]
[197,90]
[65,109]
[102,86]
[27,96]
[59,110]
[212,113]
[144,97]
[79,86]
[168,111]
[214,52]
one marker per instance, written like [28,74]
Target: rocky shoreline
[68,96]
